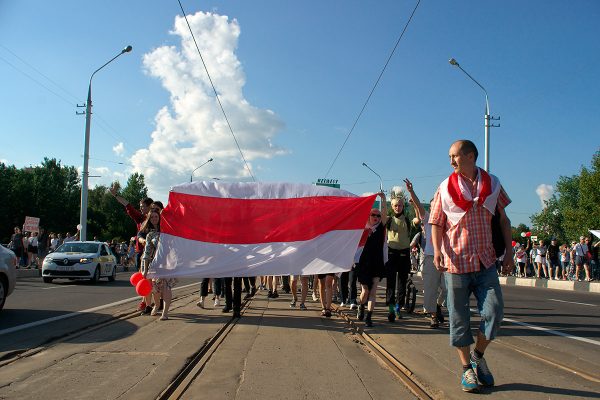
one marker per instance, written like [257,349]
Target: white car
[8,273]
[80,260]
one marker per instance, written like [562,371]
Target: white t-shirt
[428,251]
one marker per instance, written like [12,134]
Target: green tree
[574,208]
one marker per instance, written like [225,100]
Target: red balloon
[528,234]
[143,287]
[135,278]
[514,243]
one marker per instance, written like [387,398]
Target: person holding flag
[461,219]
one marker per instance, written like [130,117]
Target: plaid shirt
[467,244]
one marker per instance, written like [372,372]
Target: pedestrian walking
[461,218]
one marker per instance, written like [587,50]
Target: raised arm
[113,191]
[384,214]
[418,206]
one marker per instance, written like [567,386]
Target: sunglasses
[376,215]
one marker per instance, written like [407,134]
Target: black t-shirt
[553,252]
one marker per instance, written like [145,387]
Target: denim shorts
[486,288]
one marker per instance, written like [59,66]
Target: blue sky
[294,76]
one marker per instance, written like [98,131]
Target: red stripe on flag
[246,221]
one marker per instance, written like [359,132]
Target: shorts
[486,288]
[580,260]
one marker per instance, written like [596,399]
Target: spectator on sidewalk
[43,240]
[540,260]
[461,218]
[552,258]
[16,244]
[32,246]
[581,259]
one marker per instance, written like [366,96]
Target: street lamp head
[210,159]
[127,49]
[364,164]
[453,62]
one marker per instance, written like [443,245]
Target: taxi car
[80,260]
[8,273]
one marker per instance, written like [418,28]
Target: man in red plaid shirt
[461,219]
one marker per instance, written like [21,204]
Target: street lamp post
[487,117]
[86,152]
[379,176]
[201,165]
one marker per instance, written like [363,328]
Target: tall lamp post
[487,117]
[86,151]
[201,165]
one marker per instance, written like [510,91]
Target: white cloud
[192,129]
[119,149]
[544,192]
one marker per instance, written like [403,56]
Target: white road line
[574,302]
[550,331]
[76,313]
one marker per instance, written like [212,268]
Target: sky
[292,78]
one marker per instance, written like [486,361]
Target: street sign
[328,182]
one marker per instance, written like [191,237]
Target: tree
[574,209]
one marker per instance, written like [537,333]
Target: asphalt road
[562,321]
[34,300]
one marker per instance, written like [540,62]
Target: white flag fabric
[213,230]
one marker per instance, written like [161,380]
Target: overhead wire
[216,94]
[373,89]
[102,123]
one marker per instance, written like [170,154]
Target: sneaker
[353,306]
[440,314]
[398,312]
[293,304]
[435,323]
[270,294]
[469,381]
[342,304]
[484,376]
[217,302]
[360,315]
[368,321]
[314,296]
[302,306]
[275,295]
[200,303]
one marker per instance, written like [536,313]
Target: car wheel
[47,280]
[113,276]
[96,276]
[3,291]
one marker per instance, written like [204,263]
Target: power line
[103,124]
[215,91]
[373,89]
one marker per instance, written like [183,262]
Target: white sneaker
[200,303]
[314,296]
[342,304]
[353,306]
[217,302]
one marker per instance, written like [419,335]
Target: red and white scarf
[457,199]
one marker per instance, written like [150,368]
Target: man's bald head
[467,147]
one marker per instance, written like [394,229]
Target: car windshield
[78,248]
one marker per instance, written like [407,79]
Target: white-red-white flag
[213,229]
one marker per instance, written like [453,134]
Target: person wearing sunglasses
[370,268]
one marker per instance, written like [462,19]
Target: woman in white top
[540,260]
[521,260]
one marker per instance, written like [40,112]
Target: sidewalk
[278,352]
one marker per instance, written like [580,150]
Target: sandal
[323,313]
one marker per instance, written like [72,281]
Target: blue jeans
[486,288]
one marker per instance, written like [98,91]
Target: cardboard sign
[32,224]
[534,238]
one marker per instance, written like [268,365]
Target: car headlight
[86,260]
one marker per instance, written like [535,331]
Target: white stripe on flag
[331,252]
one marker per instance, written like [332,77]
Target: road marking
[76,313]
[574,302]
[550,331]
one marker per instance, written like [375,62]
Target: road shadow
[60,325]
[526,387]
